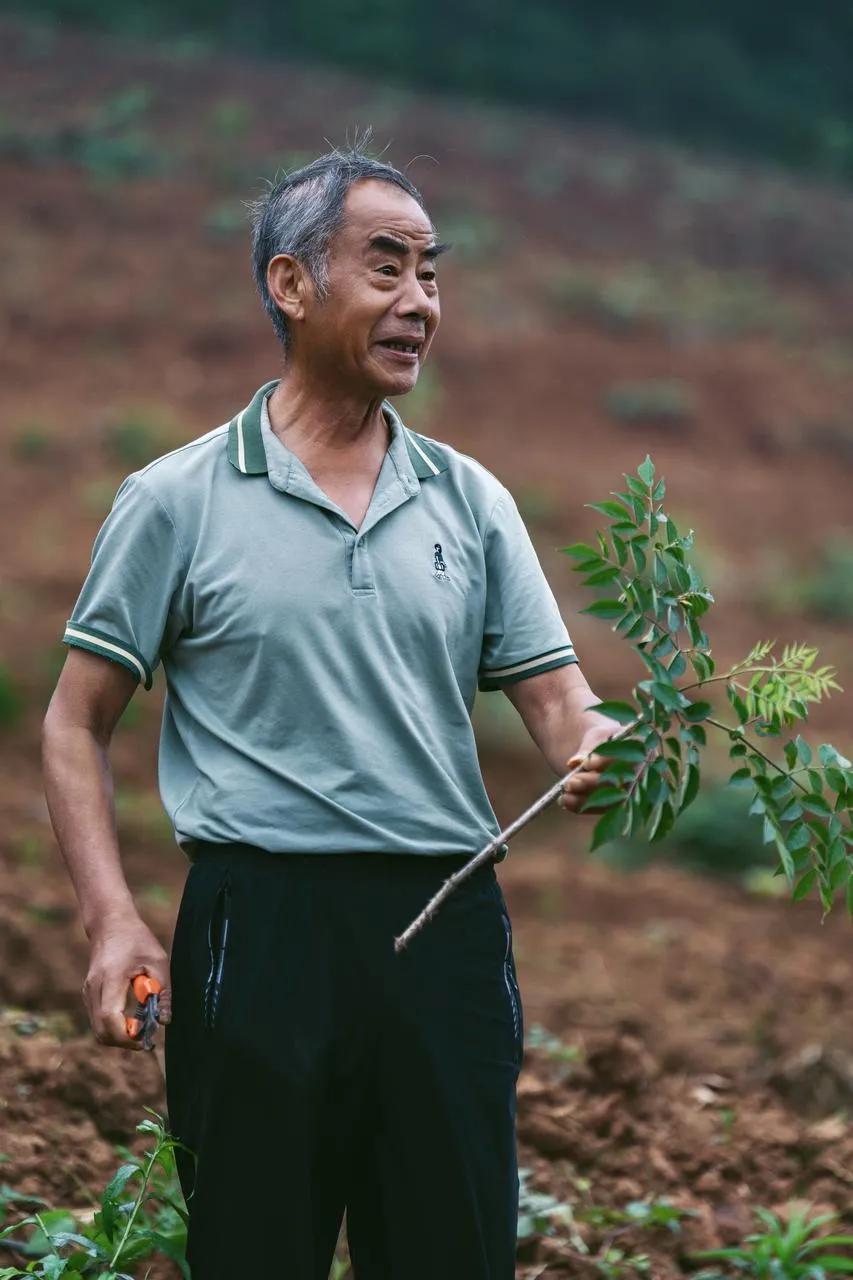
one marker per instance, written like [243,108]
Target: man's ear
[289,285]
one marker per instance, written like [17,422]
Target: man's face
[377,292]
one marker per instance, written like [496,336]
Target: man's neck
[313,423]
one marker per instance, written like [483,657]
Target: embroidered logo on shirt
[440,570]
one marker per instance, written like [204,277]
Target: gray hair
[301,212]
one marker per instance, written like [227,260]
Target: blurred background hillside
[653,253]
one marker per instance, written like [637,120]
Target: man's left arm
[554,707]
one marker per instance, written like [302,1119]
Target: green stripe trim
[500,676]
[425,458]
[108,647]
[247,455]
[245,443]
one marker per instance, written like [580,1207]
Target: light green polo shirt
[319,677]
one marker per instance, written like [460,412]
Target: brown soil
[715,1062]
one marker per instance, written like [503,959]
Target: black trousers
[312,1070]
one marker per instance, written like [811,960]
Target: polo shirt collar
[246,447]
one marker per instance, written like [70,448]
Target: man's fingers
[112,1029]
[593,762]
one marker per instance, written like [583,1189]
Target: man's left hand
[581,784]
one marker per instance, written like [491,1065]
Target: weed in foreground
[126,1229]
[790,1250]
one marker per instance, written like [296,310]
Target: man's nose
[415,300]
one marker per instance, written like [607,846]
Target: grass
[139,810]
[11,699]
[651,402]
[687,302]
[32,442]
[785,1250]
[140,433]
[113,144]
[141,1214]
[825,592]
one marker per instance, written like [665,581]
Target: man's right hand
[123,947]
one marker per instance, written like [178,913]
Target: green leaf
[605,609]
[602,797]
[639,557]
[691,788]
[836,779]
[624,749]
[785,857]
[580,551]
[608,508]
[741,776]
[112,1194]
[803,749]
[839,876]
[697,711]
[816,804]
[659,490]
[666,695]
[790,750]
[602,576]
[804,885]
[646,471]
[621,711]
[636,628]
[798,837]
[608,827]
[664,822]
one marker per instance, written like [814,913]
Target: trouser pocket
[511,984]
[218,928]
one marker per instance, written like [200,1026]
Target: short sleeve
[523,632]
[126,603]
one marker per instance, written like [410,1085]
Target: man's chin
[396,383]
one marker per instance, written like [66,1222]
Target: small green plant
[113,144]
[654,401]
[231,118]
[141,432]
[539,1214]
[785,1251]
[638,1213]
[227,218]
[565,1055]
[685,301]
[32,441]
[825,592]
[536,505]
[126,1229]
[474,234]
[11,699]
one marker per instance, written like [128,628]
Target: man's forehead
[371,213]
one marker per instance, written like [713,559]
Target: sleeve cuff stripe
[109,648]
[551,655]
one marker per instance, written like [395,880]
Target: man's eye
[429,275]
[388,268]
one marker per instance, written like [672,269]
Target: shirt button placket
[361,579]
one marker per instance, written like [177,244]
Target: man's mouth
[407,351]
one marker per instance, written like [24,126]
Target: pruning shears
[143,1023]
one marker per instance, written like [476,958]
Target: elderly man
[326,589]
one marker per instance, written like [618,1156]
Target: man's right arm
[90,696]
